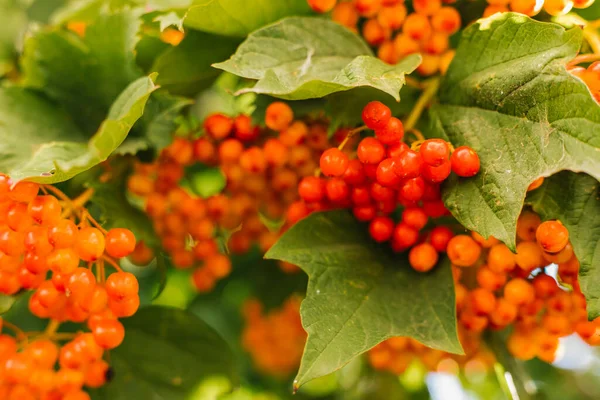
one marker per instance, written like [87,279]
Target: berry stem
[85,216]
[111,262]
[413,82]
[51,328]
[431,87]
[351,134]
[583,58]
[21,336]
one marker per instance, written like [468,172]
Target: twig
[430,91]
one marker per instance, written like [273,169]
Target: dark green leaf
[360,293]
[301,108]
[159,120]
[84,75]
[240,17]
[574,199]
[186,69]
[523,113]
[301,58]
[60,152]
[166,354]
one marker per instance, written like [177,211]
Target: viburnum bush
[245,199]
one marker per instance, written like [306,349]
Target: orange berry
[463,251]
[322,6]
[417,27]
[345,14]
[89,244]
[374,33]
[217,126]
[482,301]
[519,292]
[427,7]
[485,243]
[446,20]
[504,313]
[562,256]
[500,259]
[552,236]
[405,45]
[529,256]
[521,346]
[527,7]
[494,9]
[278,116]
[527,225]
[120,242]
[490,280]
[219,265]
[423,257]
[545,286]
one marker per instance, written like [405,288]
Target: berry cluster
[533,7]
[44,250]
[396,33]
[262,170]
[496,288]
[591,77]
[276,340]
[386,174]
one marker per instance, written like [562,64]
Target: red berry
[434,152]
[439,237]
[109,333]
[376,115]
[370,151]
[337,190]
[382,193]
[381,229]
[413,189]
[404,236]
[392,133]
[364,213]
[81,284]
[333,162]
[311,189]
[436,174]
[465,162]
[435,208]
[361,195]
[218,126]
[414,217]
[385,173]
[394,150]
[408,165]
[355,174]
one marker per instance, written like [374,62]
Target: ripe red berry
[408,165]
[337,190]
[392,133]
[414,217]
[413,189]
[439,237]
[361,195]
[385,173]
[394,150]
[364,213]
[120,242]
[434,152]
[404,236]
[423,257]
[436,174]
[381,229]
[333,162]
[311,189]
[465,161]
[376,115]
[355,174]
[370,151]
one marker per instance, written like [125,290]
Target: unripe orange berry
[519,292]
[423,257]
[552,236]
[463,251]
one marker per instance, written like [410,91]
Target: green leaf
[360,293]
[523,113]
[117,212]
[574,199]
[167,353]
[39,143]
[186,69]
[159,120]
[12,21]
[240,17]
[84,75]
[302,57]
[6,302]
[170,19]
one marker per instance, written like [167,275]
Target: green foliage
[84,75]
[61,151]
[574,199]
[523,113]
[167,353]
[186,69]
[301,58]
[360,294]
[239,18]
